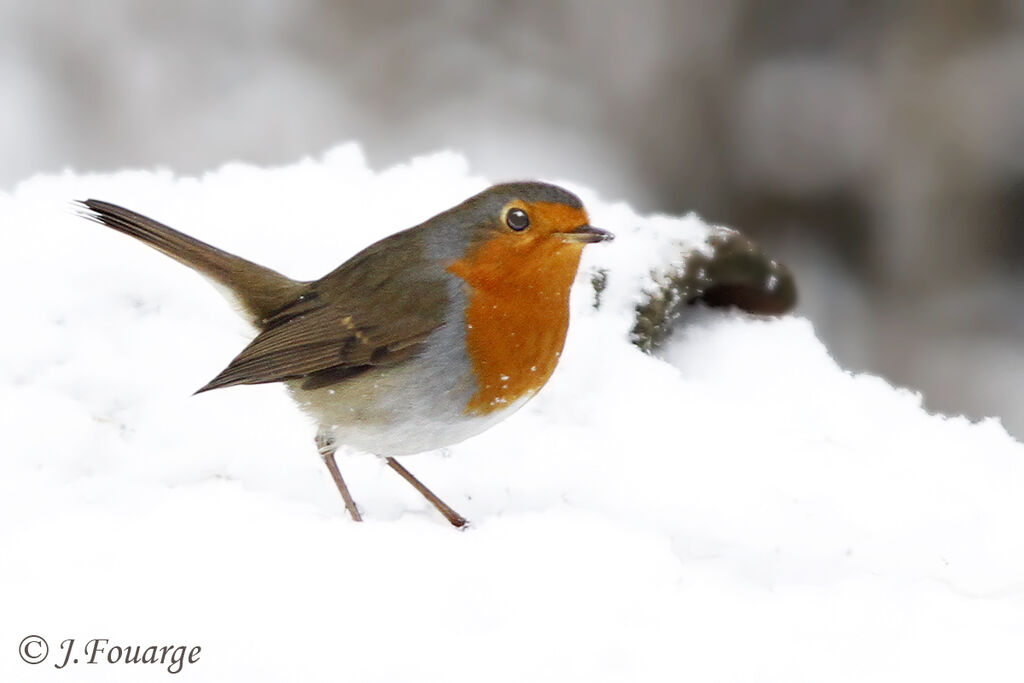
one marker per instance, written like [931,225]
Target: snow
[736,508]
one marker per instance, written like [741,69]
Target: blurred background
[876,147]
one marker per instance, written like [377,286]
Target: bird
[419,341]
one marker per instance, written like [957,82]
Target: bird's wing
[375,310]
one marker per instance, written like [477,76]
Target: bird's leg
[452,516]
[325,444]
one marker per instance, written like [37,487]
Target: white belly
[413,407]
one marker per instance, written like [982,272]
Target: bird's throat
[516,319]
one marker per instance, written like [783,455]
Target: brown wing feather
[377,309]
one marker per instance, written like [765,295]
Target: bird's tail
[258,291]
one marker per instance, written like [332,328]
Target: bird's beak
[585,234]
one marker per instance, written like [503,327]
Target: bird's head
[520,233]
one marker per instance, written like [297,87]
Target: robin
[419,341]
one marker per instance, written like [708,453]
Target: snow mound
[738,508]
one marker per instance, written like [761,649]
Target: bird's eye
[517,219]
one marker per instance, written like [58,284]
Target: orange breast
[517,314]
